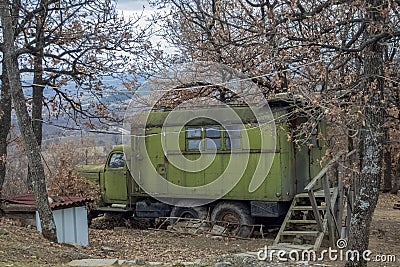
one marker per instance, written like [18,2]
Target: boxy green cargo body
[291,169]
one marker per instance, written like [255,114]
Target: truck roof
[157,118]
[118,147]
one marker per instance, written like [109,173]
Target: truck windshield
[116,160]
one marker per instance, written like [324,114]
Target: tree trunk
[370,176]
[37,106]
[31,147]
[371,143]
[5,122]
[38,86]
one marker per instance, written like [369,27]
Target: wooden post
[339,217]
[327,192]
[315,210]
[350,158]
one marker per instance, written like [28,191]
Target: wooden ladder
[302,227]
[314,214]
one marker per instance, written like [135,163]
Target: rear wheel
[235,216]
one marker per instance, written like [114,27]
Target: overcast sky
[136,7]
[142,7]
[132,4]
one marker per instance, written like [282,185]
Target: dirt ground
[385,230]
[24,246]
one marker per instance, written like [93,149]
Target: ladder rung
[313,233]
[302,221]
[307,208]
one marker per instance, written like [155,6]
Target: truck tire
[236,213]
[200,212]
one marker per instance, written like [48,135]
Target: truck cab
[111,178]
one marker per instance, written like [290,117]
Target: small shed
[69,213]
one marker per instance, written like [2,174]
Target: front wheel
[190,212]
[188,209]
[235,216]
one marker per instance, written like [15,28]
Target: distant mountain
[115,97]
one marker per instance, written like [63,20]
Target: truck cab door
[115,183]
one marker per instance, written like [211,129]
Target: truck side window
[232,137]
[193,135]
[116,160]
[213,135]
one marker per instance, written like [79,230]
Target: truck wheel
[92,214]
[200,212]
[235,217]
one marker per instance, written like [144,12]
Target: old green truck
[129,187]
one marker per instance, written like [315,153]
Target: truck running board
[113,209]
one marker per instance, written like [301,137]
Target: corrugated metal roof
[56,202]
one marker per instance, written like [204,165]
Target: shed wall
[71,224]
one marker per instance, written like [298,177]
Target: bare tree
[10,57]
[372,135]
[77,44]
[5,122]
[70,48]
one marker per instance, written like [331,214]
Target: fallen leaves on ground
[23,246]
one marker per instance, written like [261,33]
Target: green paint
[292,168]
